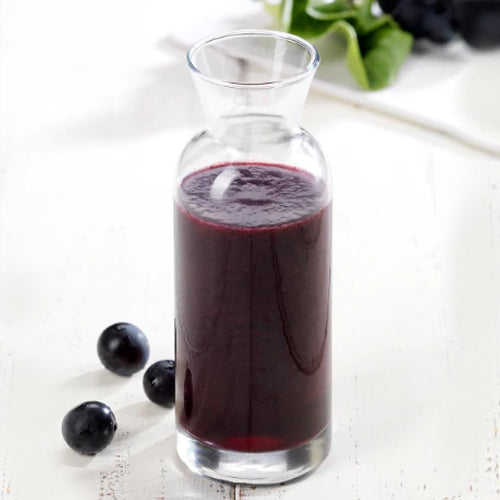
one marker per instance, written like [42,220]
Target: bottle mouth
[253,58]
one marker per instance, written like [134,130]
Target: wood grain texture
[96,121]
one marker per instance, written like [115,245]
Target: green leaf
[374,60]
[274,8]
[295,19]
[332,10]
[385,50]
[354,58]
[332,5]
[366,22]
[376,46]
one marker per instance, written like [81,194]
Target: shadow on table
[140,417]
[161,474]
[70,458]
[95,378]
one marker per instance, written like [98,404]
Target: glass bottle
[253,266]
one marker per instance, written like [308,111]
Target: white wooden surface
[94,112]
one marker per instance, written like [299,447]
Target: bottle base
[252,468]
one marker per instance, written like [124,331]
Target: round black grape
[435,20]
[89,428]
[480,22]
[442,25]
[123,349]
[159,383]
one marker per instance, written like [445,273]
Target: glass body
[252,266]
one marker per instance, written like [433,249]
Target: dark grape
[480,22]
[89,428]
[123,349]
[159,383]
[435,20]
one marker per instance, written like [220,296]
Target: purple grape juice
[253,259]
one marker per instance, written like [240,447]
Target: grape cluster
[476,21]
[435,20]
[480,22]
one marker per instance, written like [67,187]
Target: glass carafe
[252,266]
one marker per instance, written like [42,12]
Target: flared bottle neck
[252,81]
[225,106]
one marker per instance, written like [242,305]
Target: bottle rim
[303,73]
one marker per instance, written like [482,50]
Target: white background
[95,107]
